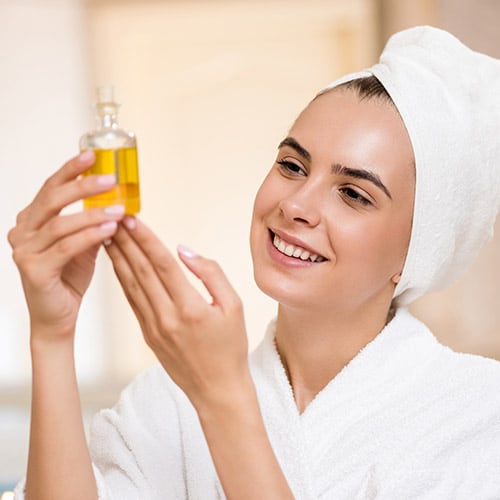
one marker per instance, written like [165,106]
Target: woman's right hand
[55,253]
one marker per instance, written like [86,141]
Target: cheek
[261,207]
[260,202]
[397,234]
[266,199]
[391,246]
[376,247]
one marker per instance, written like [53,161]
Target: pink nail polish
[130,223]
[87,156]
[115,210]
[106,179]
[108,227]
[186,252]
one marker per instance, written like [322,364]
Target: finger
[51,199]
[62,251]
[142,287]
[62,226]
[70,170]
[212,276]
[139,271]
[45,201]
[129,284]
[173,279]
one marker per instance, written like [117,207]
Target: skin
[56,257]
[327,310]
[339,305]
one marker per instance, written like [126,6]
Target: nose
[302,207]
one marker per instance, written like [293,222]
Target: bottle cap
[105,94]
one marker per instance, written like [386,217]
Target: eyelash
[290,167]
[354,196]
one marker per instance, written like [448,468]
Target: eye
[354,196]
[291,168]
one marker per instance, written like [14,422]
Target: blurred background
[210,88]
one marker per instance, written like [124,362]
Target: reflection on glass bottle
[116,153]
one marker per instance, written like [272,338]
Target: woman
[384,189]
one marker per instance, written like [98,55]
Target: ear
[395,279]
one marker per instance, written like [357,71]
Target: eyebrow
[291,142]
[358,173]
[337,168]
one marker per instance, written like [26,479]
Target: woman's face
[332,219]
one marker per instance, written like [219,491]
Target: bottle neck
[107,115]
[107,121]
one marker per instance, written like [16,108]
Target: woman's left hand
[203,346]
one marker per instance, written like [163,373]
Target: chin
[286,294]
[269,284]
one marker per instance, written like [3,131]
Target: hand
[56,253]
[203,346]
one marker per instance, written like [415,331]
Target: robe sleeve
[136,447]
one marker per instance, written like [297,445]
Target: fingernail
[107,242]
[108,227]
[106,179]
[87,156]
[115,210]
[130,223]
[186,252]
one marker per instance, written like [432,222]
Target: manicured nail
[130,223]
[106,179]
[107,242]
[87,156]
[186,252]
[108,227]
[115,210]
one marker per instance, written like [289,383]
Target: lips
[293,250]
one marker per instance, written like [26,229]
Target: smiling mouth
[295,251]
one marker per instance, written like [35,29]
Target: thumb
[212,276]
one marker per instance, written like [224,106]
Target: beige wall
[43,95]
[43,103]
[396,15]
[200,93]
[210,89]
[476,22]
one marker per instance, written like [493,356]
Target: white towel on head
[449,99]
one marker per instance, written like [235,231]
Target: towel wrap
[449,99]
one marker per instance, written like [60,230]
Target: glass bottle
[115,153]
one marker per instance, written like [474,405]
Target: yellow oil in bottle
[123,163]
[115,153]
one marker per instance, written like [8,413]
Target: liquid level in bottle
[123,163]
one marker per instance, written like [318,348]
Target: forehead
[340,127]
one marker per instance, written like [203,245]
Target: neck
[314,347]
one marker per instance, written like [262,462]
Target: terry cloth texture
[406,418]
[449,99]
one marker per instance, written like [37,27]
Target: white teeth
[295,251]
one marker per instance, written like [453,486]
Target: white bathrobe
[407,418]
